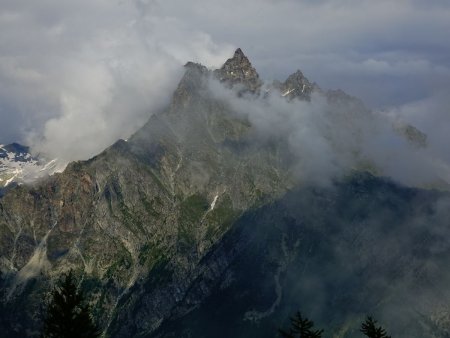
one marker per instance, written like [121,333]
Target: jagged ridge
[144,221]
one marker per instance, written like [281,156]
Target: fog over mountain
[207,168]
[238,204]
[76,76]
[327,139]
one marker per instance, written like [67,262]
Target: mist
[327,140]
[74,78]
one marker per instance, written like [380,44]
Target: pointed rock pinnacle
[239,70]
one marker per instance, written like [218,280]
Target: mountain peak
[238,52]
[297,86]
[239,70]
[193,79]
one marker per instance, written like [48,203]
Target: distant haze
[75,76]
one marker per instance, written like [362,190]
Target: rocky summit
[239,70]
[297,86]
[197,227]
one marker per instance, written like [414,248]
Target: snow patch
[10,180]
[50,164]
[288,92]
[213,203]
[24,168]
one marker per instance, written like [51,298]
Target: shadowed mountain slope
[196,212]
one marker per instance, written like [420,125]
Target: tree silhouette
[301,328]
[67,314]
[370,329]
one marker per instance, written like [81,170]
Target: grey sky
[76,75]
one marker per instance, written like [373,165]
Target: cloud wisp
[326,138]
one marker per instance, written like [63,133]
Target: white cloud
[326,140]
[76,77]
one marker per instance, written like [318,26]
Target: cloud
[75,76]
[431,115]
[326,139]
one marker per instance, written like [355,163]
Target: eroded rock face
[136,220]
[147,223]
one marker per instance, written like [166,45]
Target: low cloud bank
[326,138]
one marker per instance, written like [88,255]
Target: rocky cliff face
[239,71]
[297,86]
[152,224]
[136,220]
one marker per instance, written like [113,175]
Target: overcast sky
[77,75]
